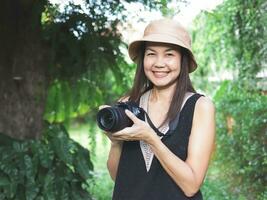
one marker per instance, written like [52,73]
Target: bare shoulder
[204,123]
[205,104]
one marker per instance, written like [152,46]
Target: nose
[160,62]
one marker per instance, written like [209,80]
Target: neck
[162,94]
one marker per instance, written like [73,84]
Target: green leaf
[43,169]
[61,147]
[4,179]
[46,155]
[20,147]
[31,189]
[48,187]
[82,163]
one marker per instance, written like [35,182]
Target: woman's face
[162,64]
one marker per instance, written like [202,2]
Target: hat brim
[134,47]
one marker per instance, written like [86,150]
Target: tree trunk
[23,66]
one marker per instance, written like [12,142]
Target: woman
[148,166]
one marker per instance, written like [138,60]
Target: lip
[160,74]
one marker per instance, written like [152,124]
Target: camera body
[113,119]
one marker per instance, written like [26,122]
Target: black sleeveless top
[134,182]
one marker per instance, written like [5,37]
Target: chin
[164,86]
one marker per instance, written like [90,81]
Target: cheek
[175,65]
[146,62]
[147,65]
[147,71]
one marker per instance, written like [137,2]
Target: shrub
[241,153]
[54,167]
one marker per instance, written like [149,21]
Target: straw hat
[165,31]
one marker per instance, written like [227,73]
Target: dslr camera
[113,119]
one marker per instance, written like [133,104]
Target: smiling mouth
[160,74]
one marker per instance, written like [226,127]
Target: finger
[112,138]
[132,116]
[121,132]
[119,138]
[125,137]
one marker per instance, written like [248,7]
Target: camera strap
[157,130]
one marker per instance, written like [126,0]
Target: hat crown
[169,27]
[163,31]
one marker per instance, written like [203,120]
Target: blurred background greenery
[59,62]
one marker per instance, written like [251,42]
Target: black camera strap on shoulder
[157,130]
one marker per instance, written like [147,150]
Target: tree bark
[23,67]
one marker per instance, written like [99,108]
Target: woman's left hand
[140,130]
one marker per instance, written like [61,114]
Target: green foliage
[87,66]
[54,167]
[230,42]
[85,48]
[241,154]
[102,187]
[215,188]
[171,11]
[65,101]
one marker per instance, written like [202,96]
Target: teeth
[160,74]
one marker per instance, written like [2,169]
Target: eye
[170,54]
[150,54]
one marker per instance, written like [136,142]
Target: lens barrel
[112,119]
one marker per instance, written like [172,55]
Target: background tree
[71,53]
[23,57]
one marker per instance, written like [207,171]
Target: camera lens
[106,119]
[113,119]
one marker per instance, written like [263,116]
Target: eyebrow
[169,49]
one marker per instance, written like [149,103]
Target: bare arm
[114,158]
[190,174]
